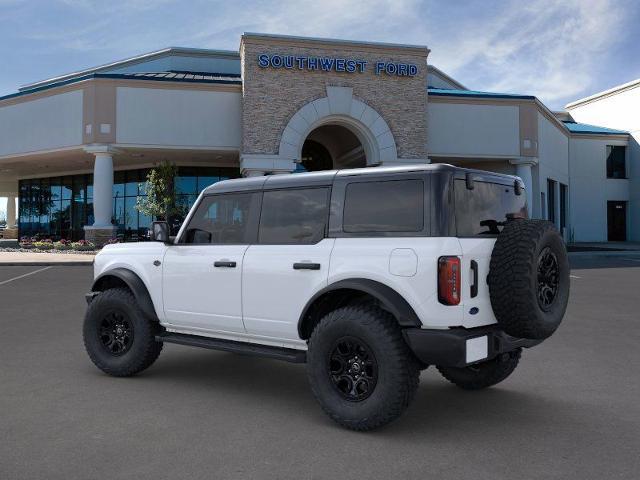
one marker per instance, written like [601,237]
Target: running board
[243,348]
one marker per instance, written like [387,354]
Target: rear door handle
[224,263]
[474,287]
[306,266]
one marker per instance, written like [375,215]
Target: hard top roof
[326,177]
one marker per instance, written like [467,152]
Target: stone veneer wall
[272,96]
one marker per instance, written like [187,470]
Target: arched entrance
[336,131]
[332,146]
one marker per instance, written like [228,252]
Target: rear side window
[484,210]
[295,216]
[387,206]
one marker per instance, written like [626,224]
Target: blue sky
[557,50]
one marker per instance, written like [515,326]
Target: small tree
[160,201]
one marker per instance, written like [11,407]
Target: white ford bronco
[367,275]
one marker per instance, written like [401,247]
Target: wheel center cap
[118,331]
[356,367]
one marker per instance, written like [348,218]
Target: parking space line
[574,276]
[25,275]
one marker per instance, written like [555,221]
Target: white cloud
[548,48]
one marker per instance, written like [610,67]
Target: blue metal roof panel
[444,92]
[585,128]
[153,76]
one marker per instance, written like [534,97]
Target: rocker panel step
[243,348]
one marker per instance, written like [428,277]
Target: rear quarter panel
[370,258]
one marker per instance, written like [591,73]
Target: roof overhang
[145,57]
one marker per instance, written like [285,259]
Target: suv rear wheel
[360,369]
[484,374]
[118,337]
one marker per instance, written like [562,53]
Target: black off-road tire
[138,353]
[522,251]
[485,374]
[398,371]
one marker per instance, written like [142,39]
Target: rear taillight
[449,280]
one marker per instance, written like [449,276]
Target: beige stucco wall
[50,122]
[178,117]
[272,96]
[460,129]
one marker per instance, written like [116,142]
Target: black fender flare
[134,283]
[389,299]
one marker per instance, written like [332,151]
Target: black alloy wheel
[119,338]
[116,333]
[353,369]
[548,278]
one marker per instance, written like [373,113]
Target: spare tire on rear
[529,279]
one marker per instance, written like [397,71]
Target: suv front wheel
[119,338]
[360,369]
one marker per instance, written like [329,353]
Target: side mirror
[160,232]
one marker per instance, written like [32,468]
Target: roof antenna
[468,178]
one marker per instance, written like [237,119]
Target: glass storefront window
[118,184]
[67,192]
[186,184]
[59,207]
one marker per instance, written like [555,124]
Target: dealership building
[75,149]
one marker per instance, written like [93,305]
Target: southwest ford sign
[334,64]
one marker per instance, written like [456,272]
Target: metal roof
[132,61]
[444,92]
[188,77]
[175,75]
[585,128]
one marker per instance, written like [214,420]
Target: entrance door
[289,264]
[617,221]
[202,273]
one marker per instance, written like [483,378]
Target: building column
[11,211]
[11,232]
[523,170]
[102,229]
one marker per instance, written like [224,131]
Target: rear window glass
[484,210]
[390,206]
[296,216]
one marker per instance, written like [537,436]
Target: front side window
[296,216]
[387,206]
[616,167]
[222,219]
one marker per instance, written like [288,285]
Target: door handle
[224,263]
[306,266]
[474,287]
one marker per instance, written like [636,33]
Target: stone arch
[339,107]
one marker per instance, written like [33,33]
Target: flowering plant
[62,244]
[45,244]
[83,245]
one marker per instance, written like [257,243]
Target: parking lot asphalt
[570,411]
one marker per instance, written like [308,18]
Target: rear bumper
[459,347]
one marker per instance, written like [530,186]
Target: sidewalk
[604,246]
[38,259]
